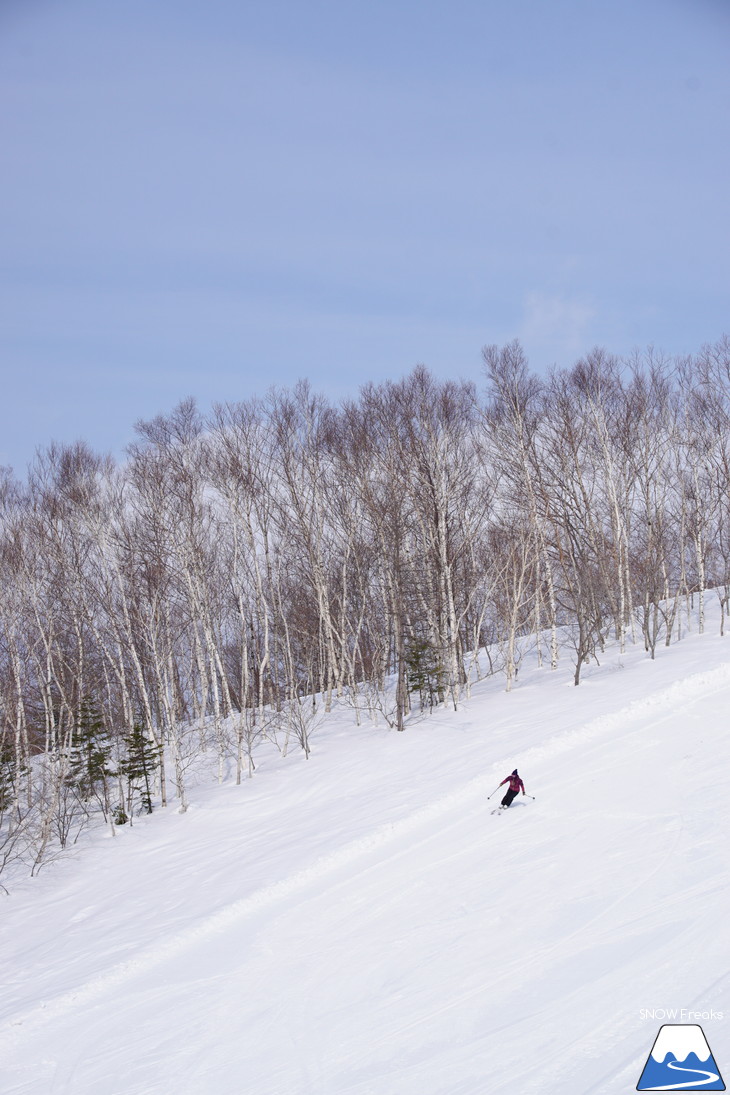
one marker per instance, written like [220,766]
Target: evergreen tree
[7,774]
[426,674]
[139,767]
[89,771]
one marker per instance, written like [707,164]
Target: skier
[514,788]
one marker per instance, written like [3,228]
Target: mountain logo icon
[680,1060]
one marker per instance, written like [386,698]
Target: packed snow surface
[362,923]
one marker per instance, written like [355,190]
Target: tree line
[240,572]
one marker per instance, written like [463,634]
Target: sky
[208,199]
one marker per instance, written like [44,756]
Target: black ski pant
[507,800]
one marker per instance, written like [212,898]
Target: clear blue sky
[211,197]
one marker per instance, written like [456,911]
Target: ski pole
[526,796]
[493,792]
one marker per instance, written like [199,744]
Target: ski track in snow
[355,853]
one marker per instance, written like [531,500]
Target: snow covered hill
[362,923]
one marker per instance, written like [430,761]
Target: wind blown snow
[362,923]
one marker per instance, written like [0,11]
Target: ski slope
[361,923]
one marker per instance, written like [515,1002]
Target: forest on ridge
[239,572]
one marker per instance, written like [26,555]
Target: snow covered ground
[361,923]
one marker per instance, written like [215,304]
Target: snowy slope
[362,924]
